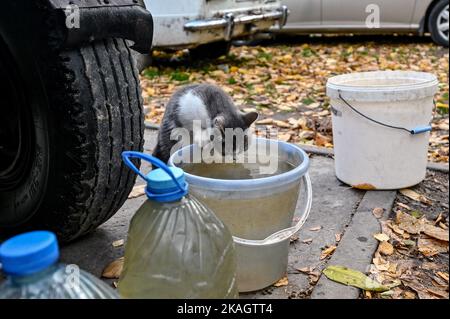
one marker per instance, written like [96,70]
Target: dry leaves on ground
[285,82]
[408,246]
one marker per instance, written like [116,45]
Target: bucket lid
[382,86]
[29,253]
[164,184]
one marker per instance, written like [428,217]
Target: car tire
[213,50]
[435,20]
[73,179]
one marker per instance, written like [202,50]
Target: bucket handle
[414,131]
[287,232]
[156,162]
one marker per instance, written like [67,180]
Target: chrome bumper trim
[230,20]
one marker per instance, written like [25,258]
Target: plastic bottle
[176,247]
[30,262]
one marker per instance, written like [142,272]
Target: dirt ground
[415,257]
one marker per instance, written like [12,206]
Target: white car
[369,16]
[206,27]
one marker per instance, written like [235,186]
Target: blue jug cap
[164,184]
[29,253]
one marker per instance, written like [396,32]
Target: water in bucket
[176,247]
[30,262]
[249,217]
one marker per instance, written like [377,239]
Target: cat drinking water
[211,108]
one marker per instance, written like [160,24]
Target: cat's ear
[219,122]
[249,118]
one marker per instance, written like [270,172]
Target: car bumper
[229,21]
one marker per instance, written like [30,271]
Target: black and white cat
[206,103]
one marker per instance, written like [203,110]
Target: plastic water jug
[30,262]
[176,246]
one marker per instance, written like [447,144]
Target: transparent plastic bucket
[262,242]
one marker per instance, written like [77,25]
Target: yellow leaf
[234,69]
[351,277]
[282,282]
[327,252]
[442,105]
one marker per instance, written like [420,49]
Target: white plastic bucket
[369,154]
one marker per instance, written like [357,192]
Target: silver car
[369,16]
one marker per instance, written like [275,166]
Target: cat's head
[234,131]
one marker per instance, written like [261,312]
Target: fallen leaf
[351,277]
[408,223]
[420,289]
[381,237]
[265,121]
[327,252]
[435,232]
[438,219]
[305,270]
[415,196]
[404,206]
[438,292]
[137,191]
[409,295]
[378,212]
[322,140]
[386,248]
[118,243]
[284,137]
[114,269]
[408,242]
[443,275]
[430,247]
[282,124]
[282,282]
[293,238]
[314,277]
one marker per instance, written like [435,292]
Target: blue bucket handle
[156,162]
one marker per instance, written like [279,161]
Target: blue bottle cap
[29,253]
[164,184]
